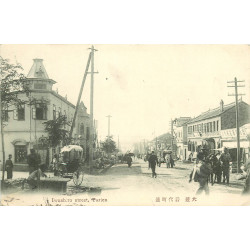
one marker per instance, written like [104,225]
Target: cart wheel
[78,177]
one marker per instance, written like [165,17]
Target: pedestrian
[201,173]
[171,160]
[9,167]
[246,170]
[217,171]
[55,165]
[34,177]
[153,161]
[167,159]
[129,161]
[147,159]
[225,160]
[33,160]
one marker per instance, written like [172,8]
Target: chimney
[221,106]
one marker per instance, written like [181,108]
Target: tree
[56,131]
[13,82]
[109,145]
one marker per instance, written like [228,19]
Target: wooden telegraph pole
[235,86]
[2,135]
[91,150]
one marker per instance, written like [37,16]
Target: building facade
[24,125]
[211,128]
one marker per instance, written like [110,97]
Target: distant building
[180,134]
[24,128]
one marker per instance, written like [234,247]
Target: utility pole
[2,135]
[92,108]
[79,97]
[109,116]
[237,117]
[172,133]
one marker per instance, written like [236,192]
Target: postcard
[125,125]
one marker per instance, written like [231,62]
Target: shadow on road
[123,170]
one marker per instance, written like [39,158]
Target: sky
[142,87]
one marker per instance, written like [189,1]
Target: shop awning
[233,144]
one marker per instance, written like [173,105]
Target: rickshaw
[70,163]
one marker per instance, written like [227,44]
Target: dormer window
[39,86]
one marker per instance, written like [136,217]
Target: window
[20,154]
[5,116]
[54,112]
[81,129]
[214,129]
[217,125]
[19,113]
[40,111]
[39,86]
[59,112]
[87,134]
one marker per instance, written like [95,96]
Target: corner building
[24,128]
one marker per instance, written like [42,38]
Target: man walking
[225,162]
[129,161]
[153,161]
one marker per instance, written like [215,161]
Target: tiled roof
[211,113]
[38,70]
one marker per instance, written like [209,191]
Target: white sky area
[147,85]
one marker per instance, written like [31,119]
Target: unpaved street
[120,185]
[123,184]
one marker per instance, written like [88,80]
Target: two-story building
[210,127]
[24,125]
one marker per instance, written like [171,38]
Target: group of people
[36,169]
[33,160]
[153,162]
[210,167]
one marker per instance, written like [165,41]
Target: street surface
[120,185]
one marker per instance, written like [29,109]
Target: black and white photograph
[131,124]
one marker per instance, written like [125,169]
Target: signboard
[231,133]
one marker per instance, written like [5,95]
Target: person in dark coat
[153,161]
[9,167]
[129,161]
[171,161]
[33,160]
[225,162]
[201,173]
